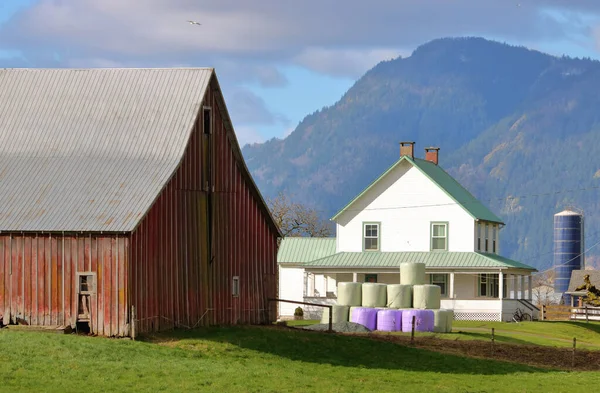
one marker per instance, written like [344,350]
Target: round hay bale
[339,314]
[365,316]
[389,320]
[427,296]
[349,294]
[424,320]
[374,295]
[412,273]
[440,321]
[399,296]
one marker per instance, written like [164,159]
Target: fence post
[133,322]
[574,345]
[330,319]
[493,339]
[412,332]
[543,309]
[586,315]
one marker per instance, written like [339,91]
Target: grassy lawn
[255,359]
[303,322]
[556,334]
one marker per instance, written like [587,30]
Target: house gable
[444,181]
[405,202]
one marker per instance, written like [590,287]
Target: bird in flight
[191,22]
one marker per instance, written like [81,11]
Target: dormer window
[439,236]
[494,238]
[371,236]
[487,231]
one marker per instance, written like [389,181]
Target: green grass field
[556,334]
[256,359]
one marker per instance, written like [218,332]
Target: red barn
[123,190]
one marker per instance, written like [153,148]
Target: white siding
[291,287]
[406,228]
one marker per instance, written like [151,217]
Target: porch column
[529,280]
[451,289]
[354,277]
[501,285]
[510,285]
[522,287]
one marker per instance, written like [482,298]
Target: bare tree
[295,219]
[543,289]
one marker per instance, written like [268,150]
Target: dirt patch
[533,355]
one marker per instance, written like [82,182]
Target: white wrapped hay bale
[449,320]
[440,321]
[374,295]
[412,273]
[339,314]
[427,297]
[349,294]
[443,320]
[399,296]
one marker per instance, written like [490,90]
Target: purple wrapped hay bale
[365,316]
[423,320]
[389,320]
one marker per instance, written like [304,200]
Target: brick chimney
[432,154]
[407,149]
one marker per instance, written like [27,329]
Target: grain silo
[568,248]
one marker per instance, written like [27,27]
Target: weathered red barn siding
[38,283]
[176,278]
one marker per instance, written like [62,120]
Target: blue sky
[278,60]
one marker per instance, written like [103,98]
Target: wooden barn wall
[195,239]
[38,280]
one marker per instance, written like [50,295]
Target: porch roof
[305,249]
[431,260]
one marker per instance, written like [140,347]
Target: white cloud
[345,62]
[272,31]
[248,135]
[251,109]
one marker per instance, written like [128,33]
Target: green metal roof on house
[460,260]
[305,249]
[446,182]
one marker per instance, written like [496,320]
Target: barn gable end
[117,179]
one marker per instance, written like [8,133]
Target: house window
[485,228]
[371,236]
[489,286]
[439,236]
[440,280]
[494,239]
[370,277]
[235,286]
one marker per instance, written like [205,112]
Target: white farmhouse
[413,212]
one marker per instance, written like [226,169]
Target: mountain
[520,129]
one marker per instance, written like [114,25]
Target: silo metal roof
[90,150]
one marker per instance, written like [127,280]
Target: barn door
[86,288]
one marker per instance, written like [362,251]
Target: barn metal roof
[90,150]
[461,260]
[305,249]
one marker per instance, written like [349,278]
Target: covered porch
[473,294]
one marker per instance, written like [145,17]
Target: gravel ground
[341,327]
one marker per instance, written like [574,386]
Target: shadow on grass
[345,351]
[593,326]
[499,337]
